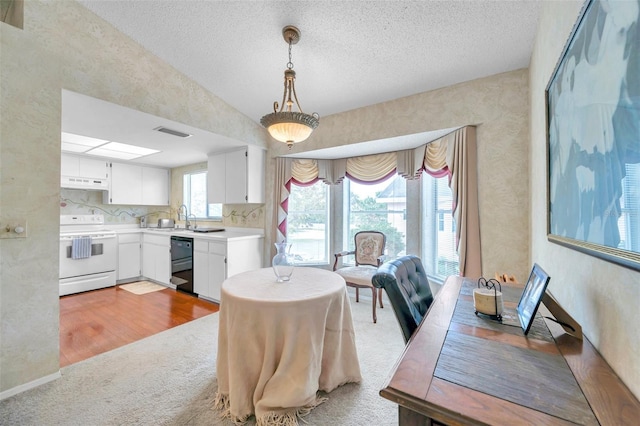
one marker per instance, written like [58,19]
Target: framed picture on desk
[531,297]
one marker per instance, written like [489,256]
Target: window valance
[431,157]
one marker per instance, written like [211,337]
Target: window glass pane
[198,195]
[194,192]
[377,207]
[308,223]
[438,228]
[215,211]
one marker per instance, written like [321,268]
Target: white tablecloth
[279,343]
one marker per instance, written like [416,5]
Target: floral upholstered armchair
[369,254]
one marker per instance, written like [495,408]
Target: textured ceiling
[351,53]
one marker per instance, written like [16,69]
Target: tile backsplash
[81,201]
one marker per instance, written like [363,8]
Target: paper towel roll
[484,301]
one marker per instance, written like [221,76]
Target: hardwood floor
[101,320]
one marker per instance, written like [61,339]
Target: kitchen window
[194,196]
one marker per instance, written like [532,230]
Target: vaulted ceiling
[351,53]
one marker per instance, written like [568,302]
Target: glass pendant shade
[289,127]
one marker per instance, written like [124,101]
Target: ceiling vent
[172,132]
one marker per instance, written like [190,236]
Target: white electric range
[88,254]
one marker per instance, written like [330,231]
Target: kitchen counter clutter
[216,255]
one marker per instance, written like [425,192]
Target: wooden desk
[461,369]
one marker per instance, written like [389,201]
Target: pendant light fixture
[284,124]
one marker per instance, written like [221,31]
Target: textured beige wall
[498,105]
[29,136]
[601,296]
[63,45]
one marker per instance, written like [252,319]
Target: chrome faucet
[194,220]
[187,224]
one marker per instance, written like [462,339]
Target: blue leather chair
[408,290]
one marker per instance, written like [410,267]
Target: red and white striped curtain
[282,190]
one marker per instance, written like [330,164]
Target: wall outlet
[13,228]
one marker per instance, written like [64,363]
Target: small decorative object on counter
[283,262]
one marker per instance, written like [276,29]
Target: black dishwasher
[182,263]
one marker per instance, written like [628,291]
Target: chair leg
[375,317]
[357,294]
[380,297]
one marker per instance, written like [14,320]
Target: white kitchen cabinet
[155,186]
[132,184]
[77,166]
[126,184]
[214,261]
[209,268]
[83,172]
[201,268]
[156,257]
[236,177]
[129,250]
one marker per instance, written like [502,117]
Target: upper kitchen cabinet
[133,184]
[236,177]
[155,186]
[83,172]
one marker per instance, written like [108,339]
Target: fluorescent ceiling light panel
[100,152]
[74,147]
[121,151]
[79,143]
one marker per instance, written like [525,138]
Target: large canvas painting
[593,118]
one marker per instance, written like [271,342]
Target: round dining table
[279,343]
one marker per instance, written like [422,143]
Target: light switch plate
[10,229]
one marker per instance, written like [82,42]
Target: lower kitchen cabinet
[129,246]
[214,261]
[209,268]
[156,257]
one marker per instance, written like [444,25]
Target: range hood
[74,182]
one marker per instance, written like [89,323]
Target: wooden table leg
[407,417]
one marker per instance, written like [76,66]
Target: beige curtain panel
[462,162]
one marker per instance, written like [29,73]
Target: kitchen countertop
[226,235]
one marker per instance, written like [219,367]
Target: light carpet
[170,379]
[142,287]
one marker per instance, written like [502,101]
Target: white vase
[282,262]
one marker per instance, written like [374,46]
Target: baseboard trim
[26,386]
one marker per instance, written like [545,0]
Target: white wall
[601,296]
